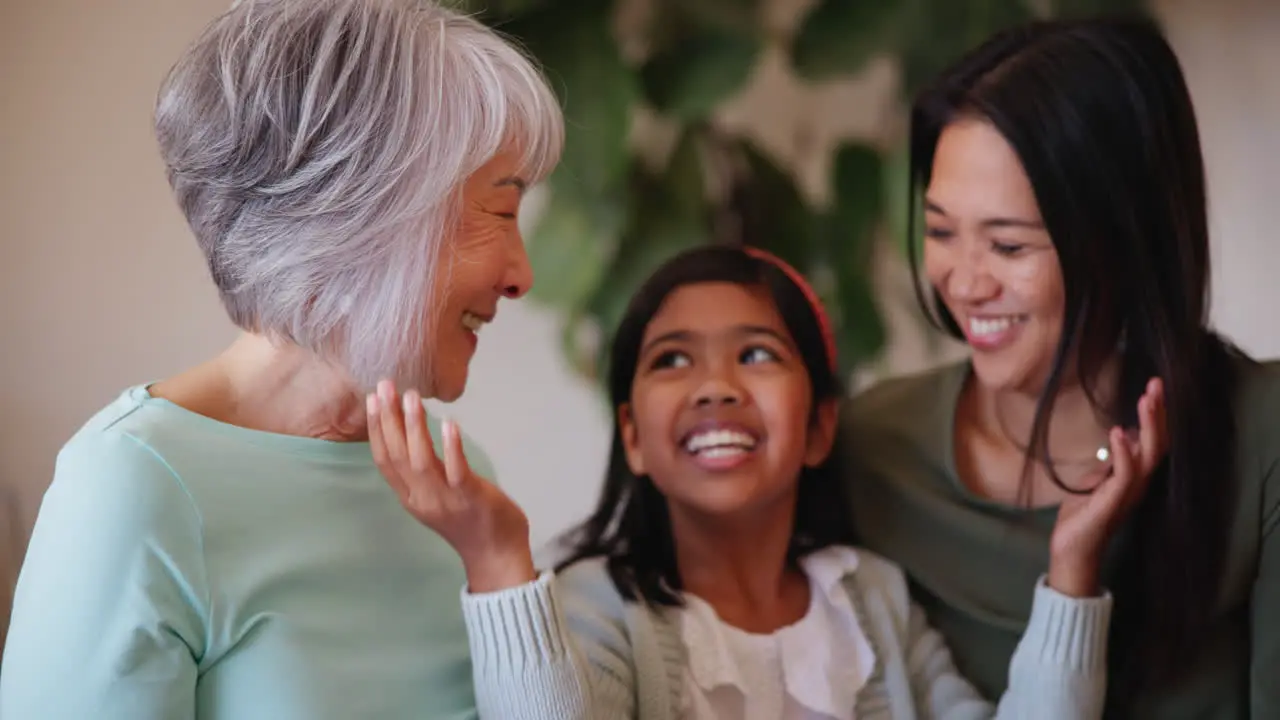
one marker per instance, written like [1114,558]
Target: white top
[810,670]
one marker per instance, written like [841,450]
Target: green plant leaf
[774,216]
[839,36]
[684,176]
[940,32]
[572,40]
[861,334]
[741,16]
[572,244]
[858,186]
[665,215]
[668,215]
[898,198]
[848,232]
[698,72]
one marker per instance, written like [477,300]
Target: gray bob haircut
[318,149]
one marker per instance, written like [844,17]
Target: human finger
[1160,411]
[457,470]
[1150,440]
[392,424]
[1128,469]
[378,447]
[421,451]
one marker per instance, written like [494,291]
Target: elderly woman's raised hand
[485,526]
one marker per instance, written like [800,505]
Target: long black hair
[1099,114]
[630,526]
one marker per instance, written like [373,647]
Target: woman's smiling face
[990,259]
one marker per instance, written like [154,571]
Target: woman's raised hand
[484,526]
[1086,522]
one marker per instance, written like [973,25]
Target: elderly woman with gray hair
[220,544]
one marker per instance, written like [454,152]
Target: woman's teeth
[993,326]
[472,322]
[719,443]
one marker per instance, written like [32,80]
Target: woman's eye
[1006,249]
[937,233]
[753,355]
[504,215]
[670,359]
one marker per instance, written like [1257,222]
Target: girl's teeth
[721,452]
[720,441]
[472,322]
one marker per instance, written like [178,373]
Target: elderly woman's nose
[519,276]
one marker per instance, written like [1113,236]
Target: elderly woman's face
[484,262]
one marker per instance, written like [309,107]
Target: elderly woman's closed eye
[220,544]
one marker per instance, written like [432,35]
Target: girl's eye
[1006,249]
[670,359]
[758,354]
[504,215]
[934,233]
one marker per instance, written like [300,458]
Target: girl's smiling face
[721,416]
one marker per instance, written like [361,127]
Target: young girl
[716,579]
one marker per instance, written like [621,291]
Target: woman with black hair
[1066,242]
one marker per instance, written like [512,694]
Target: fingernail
[410,401]
[371,404]
[386,391]
[449,426]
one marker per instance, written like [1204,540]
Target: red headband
[819,311]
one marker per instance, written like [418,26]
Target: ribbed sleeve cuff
[516,628]
[1069,631]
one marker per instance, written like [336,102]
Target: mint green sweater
[569,647]
[184,568]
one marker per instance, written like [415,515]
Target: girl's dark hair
[1100,116]
[630,526]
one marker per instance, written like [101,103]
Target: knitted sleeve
[554,649]
[1058,671]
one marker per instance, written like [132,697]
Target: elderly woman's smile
[486,262]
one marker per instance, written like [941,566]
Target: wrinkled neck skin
[739,565]
[272,387]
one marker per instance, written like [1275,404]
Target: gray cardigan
[569,647]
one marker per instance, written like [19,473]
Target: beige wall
[100,285]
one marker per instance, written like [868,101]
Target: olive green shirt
[971,560]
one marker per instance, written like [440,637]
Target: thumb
[456,469]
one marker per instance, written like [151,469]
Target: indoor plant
[617,206]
